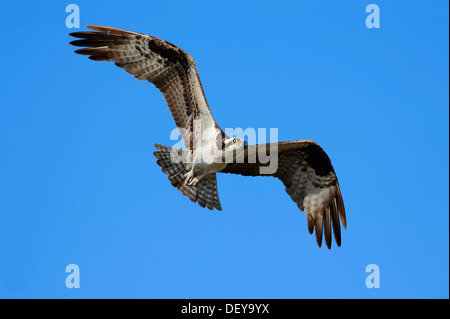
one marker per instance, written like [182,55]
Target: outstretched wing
[168,67]
[306,171]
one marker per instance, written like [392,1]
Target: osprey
[303,167]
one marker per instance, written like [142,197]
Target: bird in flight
[302,165]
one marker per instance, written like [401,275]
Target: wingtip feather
[310,222]
[327,227]
[319,229]
[109,30]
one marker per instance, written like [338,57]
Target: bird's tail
[173,163]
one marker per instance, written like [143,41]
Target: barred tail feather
[205,192]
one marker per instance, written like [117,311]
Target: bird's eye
[234,140]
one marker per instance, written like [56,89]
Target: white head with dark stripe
[232,147]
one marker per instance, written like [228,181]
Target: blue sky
[79,183]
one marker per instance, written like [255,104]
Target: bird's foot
[191,179]
[189,176]
[194,181]
[198,178]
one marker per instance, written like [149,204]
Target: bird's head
[232,148]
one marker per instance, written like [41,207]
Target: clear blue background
[79,183]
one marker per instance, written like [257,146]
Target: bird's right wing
[168,67]
[306,171]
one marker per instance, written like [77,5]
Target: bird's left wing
[306,171]
[168,67]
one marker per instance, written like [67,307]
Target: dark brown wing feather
[168,67]
[306,171]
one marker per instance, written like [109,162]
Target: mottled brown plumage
[306,172]
[303,167]
[148,58]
